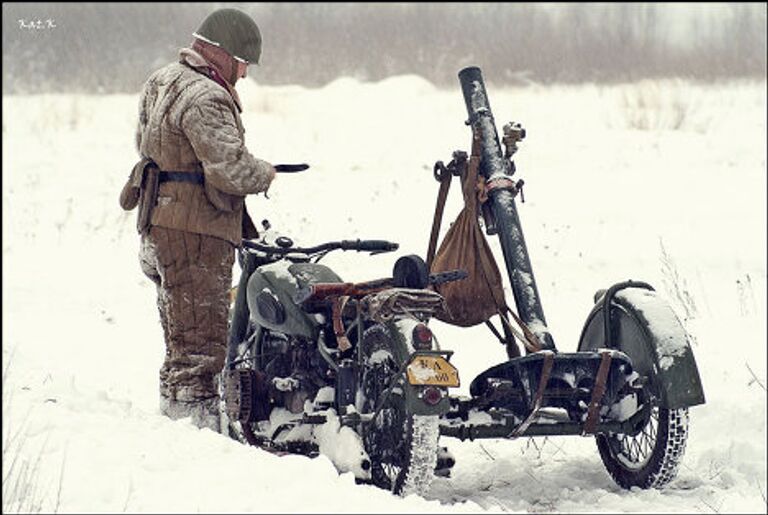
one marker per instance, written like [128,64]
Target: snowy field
[657,181]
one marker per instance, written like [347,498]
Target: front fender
[645,327]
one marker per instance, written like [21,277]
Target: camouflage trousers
[193,275]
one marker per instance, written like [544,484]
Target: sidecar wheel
[640,323]
[650,458]
[402,446]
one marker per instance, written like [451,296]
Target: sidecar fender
[644,326]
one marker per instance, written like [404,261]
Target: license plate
[432,370]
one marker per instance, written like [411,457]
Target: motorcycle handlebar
[373,246]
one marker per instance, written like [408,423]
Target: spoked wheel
[644,327]
[650,458]
[402,447]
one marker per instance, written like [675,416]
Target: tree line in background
[112,47]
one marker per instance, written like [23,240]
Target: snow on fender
[645,327]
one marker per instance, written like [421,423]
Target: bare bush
[656,105]
[746,296]
[22,492]
[676,285]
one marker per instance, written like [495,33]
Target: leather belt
[193,177]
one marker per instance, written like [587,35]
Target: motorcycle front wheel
[244,358]
[402,446]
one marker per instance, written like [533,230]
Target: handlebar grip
[291,168]
[369,245]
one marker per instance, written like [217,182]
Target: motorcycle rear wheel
[402,446]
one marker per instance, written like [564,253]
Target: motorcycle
[310,355]
[315,364]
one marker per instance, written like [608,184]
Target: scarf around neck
[198,61]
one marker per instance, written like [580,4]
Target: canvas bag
[475,299]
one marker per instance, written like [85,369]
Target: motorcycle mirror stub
[284,242]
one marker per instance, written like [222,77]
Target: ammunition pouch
[148,198]
[129,196]
[141,190]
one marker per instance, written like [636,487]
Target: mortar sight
[513,134]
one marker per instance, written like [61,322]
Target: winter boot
[204,412]
[173,409]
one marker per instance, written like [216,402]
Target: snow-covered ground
[657,181]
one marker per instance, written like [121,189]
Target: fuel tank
[271,290]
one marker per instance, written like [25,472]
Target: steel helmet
[234,31]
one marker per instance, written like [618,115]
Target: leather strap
[338,324]
[597,393]
[442,194]
[546,369]
[171,176]
[500,183]
[531,341]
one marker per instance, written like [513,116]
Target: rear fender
[644,326]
